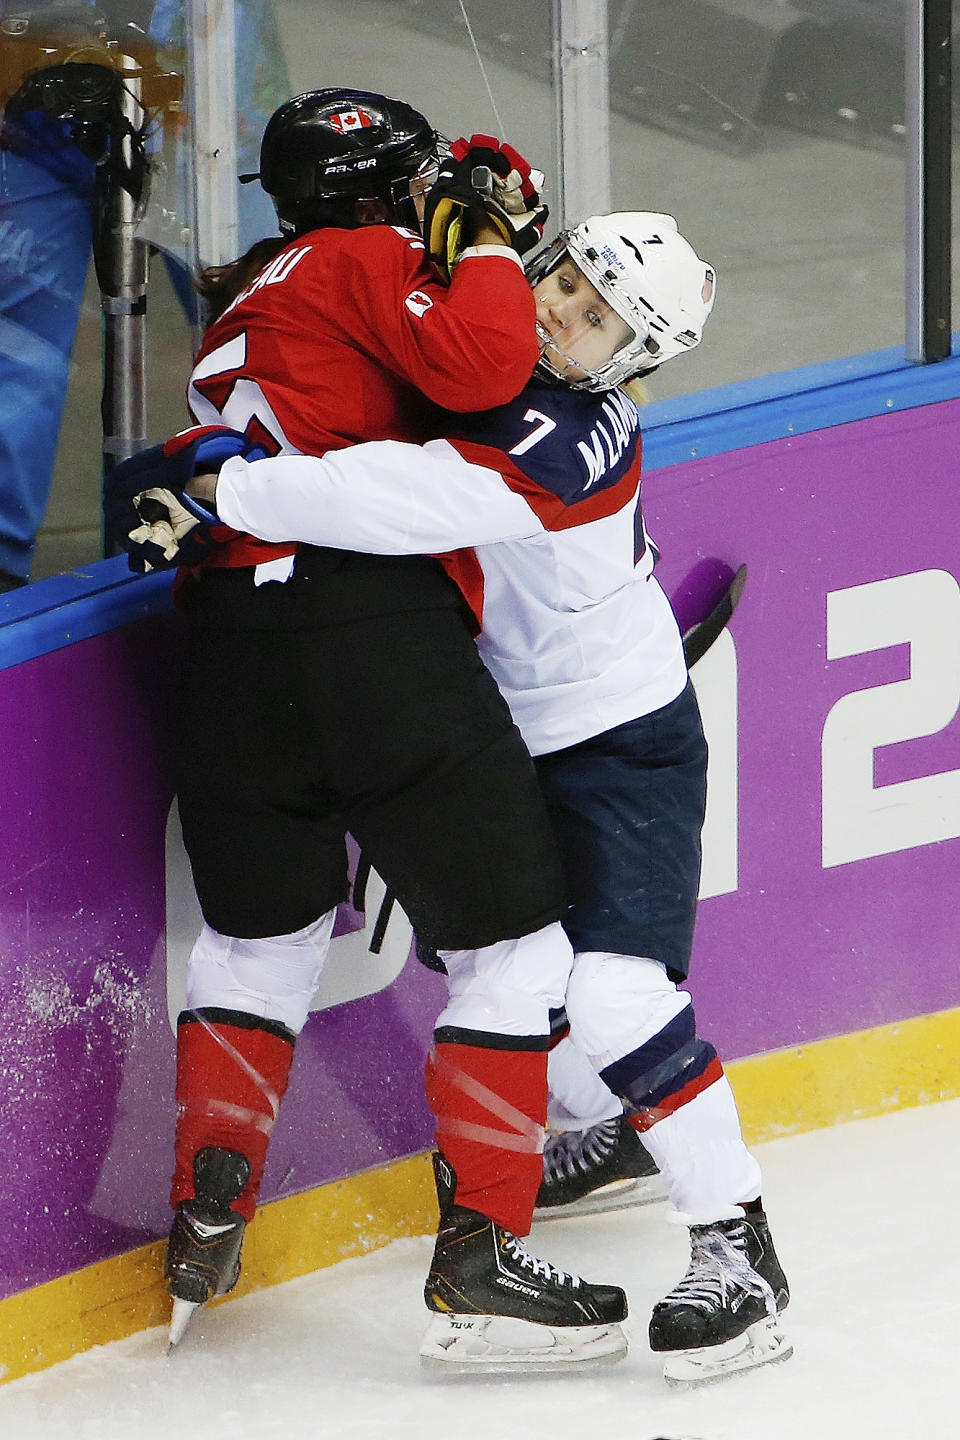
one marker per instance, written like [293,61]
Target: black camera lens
[82,88]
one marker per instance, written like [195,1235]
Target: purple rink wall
[832,849]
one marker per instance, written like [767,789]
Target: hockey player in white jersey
[538,505]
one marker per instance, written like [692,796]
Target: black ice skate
[203,1254]
[722,1317]
[499,1308]
[586,1172]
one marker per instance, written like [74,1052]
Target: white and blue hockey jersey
[535,509]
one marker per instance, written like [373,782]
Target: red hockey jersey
[347,335]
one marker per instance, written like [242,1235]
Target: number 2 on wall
[861,819]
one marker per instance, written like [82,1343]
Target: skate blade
[499,1344]
[761,1344]
[618,1195]
[183,1313]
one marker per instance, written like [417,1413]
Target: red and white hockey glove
[482,179]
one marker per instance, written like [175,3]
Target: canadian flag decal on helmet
[345,120]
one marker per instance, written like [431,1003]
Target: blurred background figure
[71,140]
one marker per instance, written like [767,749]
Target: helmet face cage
[554,363]
[649,275]
[333,146]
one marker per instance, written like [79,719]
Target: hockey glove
[147,511]
[176,530]
[482,179]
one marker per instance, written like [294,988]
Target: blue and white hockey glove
[147,510]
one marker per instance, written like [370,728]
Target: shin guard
[489,1096]
[232,1073]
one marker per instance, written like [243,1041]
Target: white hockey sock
[273,977]
[508,988]
[699,1150]
[578,1097]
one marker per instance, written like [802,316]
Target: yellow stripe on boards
[848,1077]
[289,1237]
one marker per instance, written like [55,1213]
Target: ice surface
[864,1217]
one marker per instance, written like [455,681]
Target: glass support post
[212,61]
[122,266]
[928,118]
[581,81]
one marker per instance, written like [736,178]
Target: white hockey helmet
[650,275]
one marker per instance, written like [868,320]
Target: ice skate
[203,1254]
[588,1172]
[723,1315]
[497,1308]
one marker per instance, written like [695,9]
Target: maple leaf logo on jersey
[418,303]
[345,120]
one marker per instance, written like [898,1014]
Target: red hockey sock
[232,1073]
[491,1109]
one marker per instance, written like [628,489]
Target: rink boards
[825,965]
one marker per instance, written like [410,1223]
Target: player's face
[421,184]
[577,326]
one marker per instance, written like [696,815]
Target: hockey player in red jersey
[546,492]
[326,691]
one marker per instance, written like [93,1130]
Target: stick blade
[699,638]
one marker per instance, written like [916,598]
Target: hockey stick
[698,639]
[359,902]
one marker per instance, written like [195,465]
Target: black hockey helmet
[338,145]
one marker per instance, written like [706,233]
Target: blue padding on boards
[795,402]
[53,613]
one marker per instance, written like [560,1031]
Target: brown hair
[218,285]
